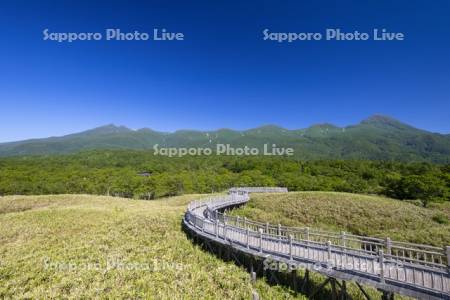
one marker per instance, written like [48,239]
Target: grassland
[77,246]
[358,214]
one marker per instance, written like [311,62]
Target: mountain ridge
[378,137]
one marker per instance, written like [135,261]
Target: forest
[142,175]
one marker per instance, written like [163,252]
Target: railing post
[307,233]
[238,221]
[279,235]
[381,262]
[343,241]
[225,231]
[216,227]
[290,246]
[388,246]
[260,239]
[329,249]
[247,232]
[245,222]
[447,251]
[267,228]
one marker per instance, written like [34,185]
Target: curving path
[414,270]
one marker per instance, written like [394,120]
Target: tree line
[141,175]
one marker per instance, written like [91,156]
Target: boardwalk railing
[407,268]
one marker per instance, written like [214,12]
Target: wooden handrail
[428,264]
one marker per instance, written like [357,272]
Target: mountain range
[377,137]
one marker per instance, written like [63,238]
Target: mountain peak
[324,126]
[269,127]
[149,130]
[107,129]
[386,123]
[267,130]
[377,119]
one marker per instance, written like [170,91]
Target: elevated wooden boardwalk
[413,270]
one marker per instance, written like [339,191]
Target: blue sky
[223,74]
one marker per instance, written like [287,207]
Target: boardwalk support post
[363,291]
[344,290]
[387,295]
[305,283]
[334,294]
[321,286]
[294,280]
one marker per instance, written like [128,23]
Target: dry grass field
[79,246]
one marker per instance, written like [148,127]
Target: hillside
[76,246]
[378,137]
[357,214]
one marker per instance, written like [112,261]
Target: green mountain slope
[378,137]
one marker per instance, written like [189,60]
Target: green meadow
[83,247]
